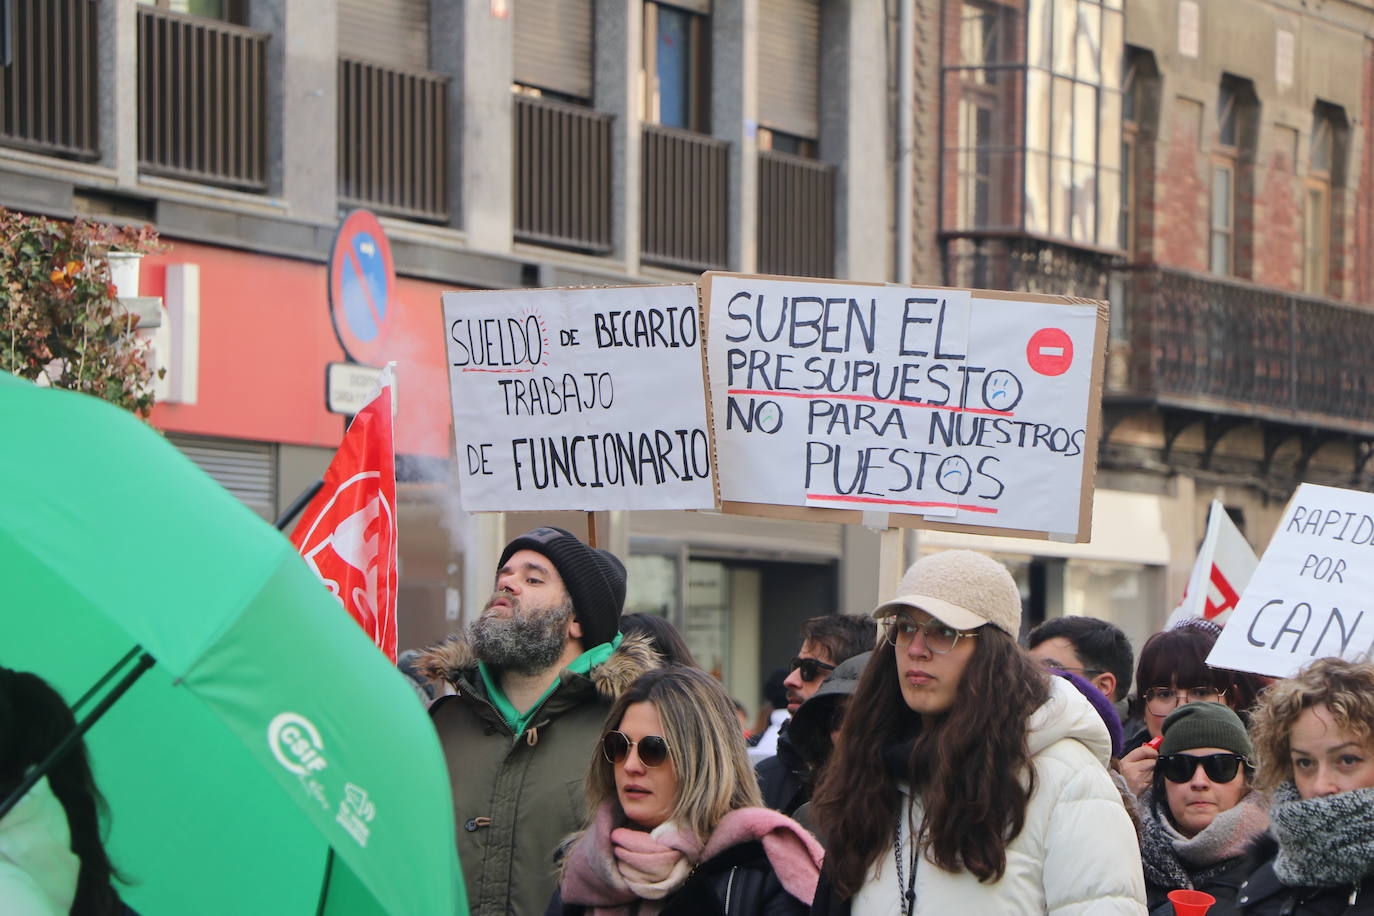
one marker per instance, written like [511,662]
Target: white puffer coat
[1077,853]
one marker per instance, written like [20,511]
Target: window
[675,41]
[1232,176]
[1034,143]
[1139,91]
[224,10]
[1324,173]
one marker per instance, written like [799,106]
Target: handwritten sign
[581,399]
[1312,594]
[970,409]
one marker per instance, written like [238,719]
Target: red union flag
[347,534]
[1225,563]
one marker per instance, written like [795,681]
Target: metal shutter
[553,45]
[789,66]
[245,469]
[392,32]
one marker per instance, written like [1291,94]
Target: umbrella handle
[35,773]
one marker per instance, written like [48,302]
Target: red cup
[1191,903]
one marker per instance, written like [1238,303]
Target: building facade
[1202,165]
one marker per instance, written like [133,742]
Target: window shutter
[391,32]
[789,66]
[245,469]
[553,45]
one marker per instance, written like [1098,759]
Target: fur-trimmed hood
[453,660]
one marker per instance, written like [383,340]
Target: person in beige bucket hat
[964,778]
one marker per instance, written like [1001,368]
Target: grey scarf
[1323,842]
[1172,860]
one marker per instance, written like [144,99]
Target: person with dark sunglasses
[1199,815]
[674,823]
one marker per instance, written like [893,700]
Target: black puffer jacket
[1261,893]
[738,882]
[784,779]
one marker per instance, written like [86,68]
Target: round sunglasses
[1218,767]
[652,749]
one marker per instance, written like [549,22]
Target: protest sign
[960,409]
[579,399]
[1310,596]
[1224,565]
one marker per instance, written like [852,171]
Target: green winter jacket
[516,798]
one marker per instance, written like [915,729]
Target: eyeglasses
[1161,701]
[1058,666]
[939,638]
[810,668]
[652,749]
[1181,767]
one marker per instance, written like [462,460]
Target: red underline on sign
[502,370]
[863,397]
[899,502]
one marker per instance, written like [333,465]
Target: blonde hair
[1345,688]
[705,746]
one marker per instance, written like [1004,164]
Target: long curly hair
[971,766]
[1345,688]
[33,721]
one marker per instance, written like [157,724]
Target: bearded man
[532,685]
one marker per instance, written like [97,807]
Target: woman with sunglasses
[965,779]
[1314,738]
[1199,816]
[675,822]
[1173,671]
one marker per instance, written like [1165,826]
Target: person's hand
[1138,768]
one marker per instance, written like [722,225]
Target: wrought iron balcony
[796,231]
[393,139]
[202,99]
[1233,349]
[48,95]
[562,174]
[686,199]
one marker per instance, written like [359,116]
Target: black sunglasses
[1218,767]
[652,749]
[811,668]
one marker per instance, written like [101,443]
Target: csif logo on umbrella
[296,743]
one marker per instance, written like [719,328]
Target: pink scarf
[610,868]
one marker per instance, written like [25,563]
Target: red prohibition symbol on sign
[1050,351]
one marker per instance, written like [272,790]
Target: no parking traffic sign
[362,288]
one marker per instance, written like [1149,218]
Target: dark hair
[663,636]
[33,720]
[843,636]
[1179,657]
[972,767]
[774,689]
[1101,645]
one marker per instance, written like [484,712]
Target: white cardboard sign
[579,399]
[966,410]
[1312,595]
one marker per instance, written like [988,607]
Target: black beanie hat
[1197,725]
[595,579]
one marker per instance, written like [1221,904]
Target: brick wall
[1181,211]
[1278,235]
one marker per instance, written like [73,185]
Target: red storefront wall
[266,339]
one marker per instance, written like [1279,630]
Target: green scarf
[519,721]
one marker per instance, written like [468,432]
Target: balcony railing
[686,199]
[202,100]
[562,174]
[796,216]
[1230,348]
[393,139]
[48,95]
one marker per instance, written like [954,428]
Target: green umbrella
[268,732]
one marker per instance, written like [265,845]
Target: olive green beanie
[1198,725]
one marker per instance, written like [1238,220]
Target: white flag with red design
[347,534]
[1224,566]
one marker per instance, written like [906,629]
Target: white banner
[580,399]
[1312,594]
[1225,563]
[966,410]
